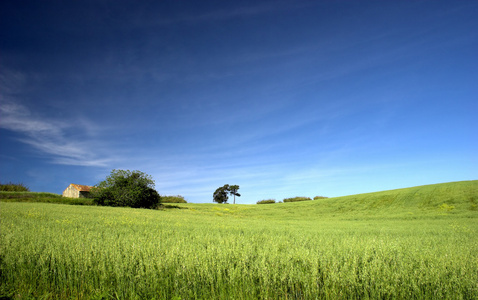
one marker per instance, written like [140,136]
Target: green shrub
[22,195]
[126,188]
[296,199]
[268,201]
[13,187]
[320,197]
[42,197]
[173,199]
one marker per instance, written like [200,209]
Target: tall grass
[282,251]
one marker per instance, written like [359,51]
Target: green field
[415,243]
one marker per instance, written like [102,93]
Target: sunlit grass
[308,250]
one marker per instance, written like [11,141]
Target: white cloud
[18,118]
[48,136]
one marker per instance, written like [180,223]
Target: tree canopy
[126,188]
[221,195]
[233,191]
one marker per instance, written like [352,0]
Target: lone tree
[233,191]
[221,194]
[126,188]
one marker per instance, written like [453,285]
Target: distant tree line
[136,189]
[268,201]
[173,199]
[293,199]
[13,187]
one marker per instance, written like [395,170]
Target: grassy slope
[392,244]
[446,197]
[462,195]
[452,198]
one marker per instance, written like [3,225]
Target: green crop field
[415,243]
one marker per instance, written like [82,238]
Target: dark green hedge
[173,199]
[13,187]
[268,201]
[296,199]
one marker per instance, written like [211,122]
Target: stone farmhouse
[77,191]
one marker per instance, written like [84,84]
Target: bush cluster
[173,199]
[42,198]
[126,188]
[320,197]
[268,201]
[25,195]
[13,187]
[296,199]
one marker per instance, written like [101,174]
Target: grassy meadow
[414,243]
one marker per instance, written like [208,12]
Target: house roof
[81,188]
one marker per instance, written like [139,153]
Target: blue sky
[283,98]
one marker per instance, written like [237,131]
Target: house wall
[71,192]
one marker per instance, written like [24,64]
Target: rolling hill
[412,243]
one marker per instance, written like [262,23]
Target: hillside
[444,198]
[451,197]
[413,243]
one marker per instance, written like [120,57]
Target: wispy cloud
[44,134]
[47,136]
[18,118]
